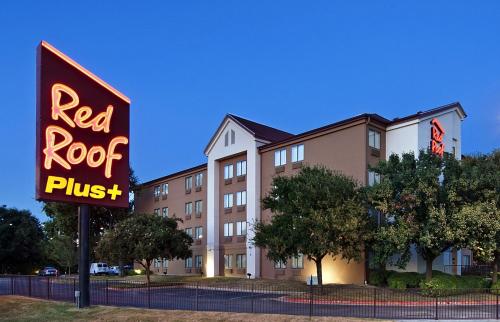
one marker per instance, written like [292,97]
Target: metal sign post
[83,263]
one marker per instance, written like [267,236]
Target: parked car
[114,270]
[99,269]
[48,271]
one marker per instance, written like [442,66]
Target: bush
[444,284]
[378,277]
[495,287]
[404,280]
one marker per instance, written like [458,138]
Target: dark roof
[420,114]
[376,117]
[175,174]
[261,131]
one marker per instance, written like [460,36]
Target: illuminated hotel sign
[82,135]
[437,134]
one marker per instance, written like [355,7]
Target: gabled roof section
[259,131]
[422,114]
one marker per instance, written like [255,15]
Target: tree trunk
[120,265]
[319,270]
[494,277]
[428,269]
[147,271]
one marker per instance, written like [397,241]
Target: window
[374,139]
[373,178]
[157,211]
[189,208]
[188,262]
[189,183]
[164,212]
[241,228]
[198,232]
[157,191]
[165,263]
[280,264]
[228,229]
[198,179]
[228,200]
[156,263]
[466,260]
[233,137]
[228,171]
[454,151]
[298,261]
[241,168]
[298,153]
[189,231]
[228,261]
[198,261]
[279,157]
[241,261]
[241,198]
[198,206]
[164,189]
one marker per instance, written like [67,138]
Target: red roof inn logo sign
[437,134]
[82,147]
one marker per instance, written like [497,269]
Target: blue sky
[295,65]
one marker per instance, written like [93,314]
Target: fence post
[107,295]
[311,297]
[374,302]
[29,286]
[253,291]
[12,285]
[197,285]
[149,295]
[48,288]
[436,316]
[74,290]
[497,303]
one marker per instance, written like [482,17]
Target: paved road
[209,299]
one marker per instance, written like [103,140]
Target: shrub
[378,277]
[495,287]
[444,284]
[404,280]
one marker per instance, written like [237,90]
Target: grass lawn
[17,308]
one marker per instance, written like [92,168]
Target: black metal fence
[257,297]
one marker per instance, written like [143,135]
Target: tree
[64,217]
[21,238]
[62,250]
[416,205]
[144,237]
[477,189]
[317,212]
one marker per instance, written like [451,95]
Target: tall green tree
[144,237]
[317,212]
[64,217]
[62,250]
[416,205]
[21,238]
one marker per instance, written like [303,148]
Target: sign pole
[83,247]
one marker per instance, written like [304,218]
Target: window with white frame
[373,178]
[280,264]
[198,232]
[228,200]
[164,189]
[189,182]
[156,263]
[189,231]
[198,206]
[241,261]
[157,211]
[188,262]
[228,261]
[228,229]
[298,153]
[374,139]
[241,168]
[198,179]
[228,171]
[188,208]
[165,263]
[198,261]
[164,212]
[298,261]
[241,228]
[157,191]
[241,198]
[279,157]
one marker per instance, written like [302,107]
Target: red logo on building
[437,134]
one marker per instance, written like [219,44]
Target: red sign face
[437,134]
[82,135]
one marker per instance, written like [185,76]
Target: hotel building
[220,200]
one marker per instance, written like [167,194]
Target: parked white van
[99,269]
